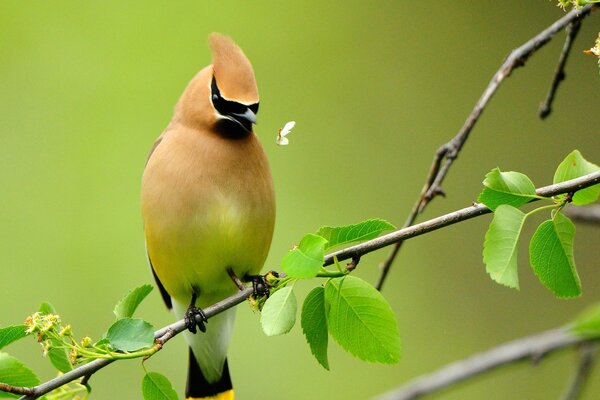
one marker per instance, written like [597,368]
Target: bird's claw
[195,317]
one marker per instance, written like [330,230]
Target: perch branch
[354,252]
[162,336]
[448,152]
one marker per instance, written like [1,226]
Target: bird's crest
[232,70]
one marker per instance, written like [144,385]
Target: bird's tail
[199,388]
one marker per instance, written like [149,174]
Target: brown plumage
[208,203]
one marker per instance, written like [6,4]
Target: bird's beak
[248,116]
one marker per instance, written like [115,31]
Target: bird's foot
[195,317]
[261,284]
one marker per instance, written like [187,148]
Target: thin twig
[162,336]
[559,72]
[587,358]
[354,252]
[532,347]
[448,152]
[451,218]
[588,214]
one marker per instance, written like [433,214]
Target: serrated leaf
[501,243]
[130,334]
[10,334]
[14,372]
[306,260]
[365,230]
[278,315]
[128,304]
[59,356]
[361,320]
[574,166]
[587,323]
[47,308]
[551,256]
[314,324]
[512,188]
[156,386]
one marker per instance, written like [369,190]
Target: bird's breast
[208,205]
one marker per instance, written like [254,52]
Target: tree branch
[451,218]
[448,152]
[354,252]
[559,72]
[588,214]
[532,347]
[587,358]
[162,336]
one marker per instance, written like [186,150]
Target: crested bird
[208,208]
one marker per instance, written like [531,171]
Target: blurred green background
[375,88]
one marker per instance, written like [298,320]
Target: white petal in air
[283,132]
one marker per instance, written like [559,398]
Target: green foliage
[365,230]
[512,188]
[130,334]
[279,312]
[587,324]
[314,324]
[10,334]
[353,313]
[14,372]
[551,247]
[361,320]
[128,304]
[157,387]
[305,260]
[55,348]
[500,246]
[574,166]
[551,256]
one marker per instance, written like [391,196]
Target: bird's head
[223,95]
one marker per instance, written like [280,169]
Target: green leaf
[551,256]
[574,166]
[11,334]
[314,324]
[128,304]
[512,188]
[13,372]
[156,386]
[307,259]
[279,312]
[58,353]
[59,356]
[130,334]
[47,308]
[500,245]
[361,320]
[587,324]
[365,230]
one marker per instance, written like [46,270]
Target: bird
[208,208]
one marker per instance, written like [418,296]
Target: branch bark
[354,252]
[451,218]
[588,214]
[532,347]
[448,152]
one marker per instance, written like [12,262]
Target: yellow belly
[208,205]
[193,255]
